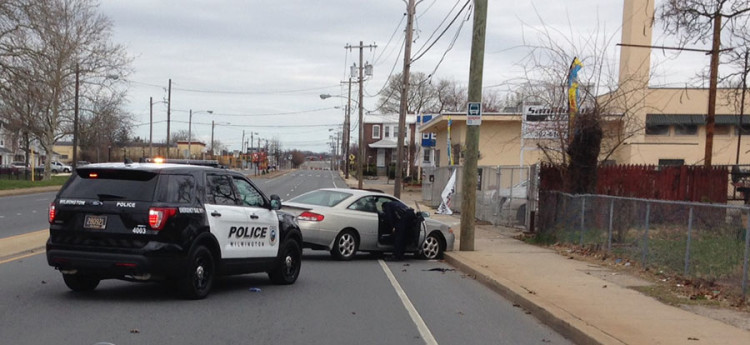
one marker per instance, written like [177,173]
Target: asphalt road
[20,214]
[365,301]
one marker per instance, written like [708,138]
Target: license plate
[95,222]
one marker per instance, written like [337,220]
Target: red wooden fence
[684,183]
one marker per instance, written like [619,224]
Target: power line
[438,27]
[442,33]
[269,114]
[232,92]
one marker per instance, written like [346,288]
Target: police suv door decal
[261,235]
[225,216]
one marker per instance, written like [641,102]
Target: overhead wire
[437,28]
[450,46]
[442,33]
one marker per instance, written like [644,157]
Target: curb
[25,191]
[558,324]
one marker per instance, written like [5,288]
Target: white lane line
[333,180]
[413,313]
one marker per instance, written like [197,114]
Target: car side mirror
[275,202]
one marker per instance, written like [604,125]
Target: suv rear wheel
[199,274]
[81,282]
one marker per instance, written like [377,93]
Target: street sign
[474,114]
[351,157]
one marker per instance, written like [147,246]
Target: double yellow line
[22,246]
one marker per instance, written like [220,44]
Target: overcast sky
[260,66]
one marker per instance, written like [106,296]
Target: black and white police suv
[168,222]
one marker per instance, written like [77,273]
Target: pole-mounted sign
[474,115]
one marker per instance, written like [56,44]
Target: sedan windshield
[321,198]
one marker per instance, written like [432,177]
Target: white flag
[447,195]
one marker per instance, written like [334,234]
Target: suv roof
[145,166]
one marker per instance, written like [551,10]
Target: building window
[722,129]
[657,129]
[386,131]
[671,162]
[376,131]
[685,129]
[745,129]
[426,157]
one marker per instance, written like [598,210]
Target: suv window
[219,190]
[111,185]
[249,195]
[176,189]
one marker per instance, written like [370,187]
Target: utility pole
[213,125]
[169,112]
[361,158]
[347,129]
[75,123]
[469,179]
[410,9]
[150,127]
[745,72]
[710,119]
[190,134]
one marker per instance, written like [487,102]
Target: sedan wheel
[345,246]
[432,248]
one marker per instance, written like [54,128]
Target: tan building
[664,126]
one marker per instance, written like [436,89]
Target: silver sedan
[345,221]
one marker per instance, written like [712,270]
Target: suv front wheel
[287,269]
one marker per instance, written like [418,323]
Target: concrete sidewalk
[575,298]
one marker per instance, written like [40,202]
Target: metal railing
[701,241]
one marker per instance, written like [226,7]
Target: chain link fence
[505,194]
[699,241]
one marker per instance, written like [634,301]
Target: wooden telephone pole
[361,158]
[469,179]
[410,9]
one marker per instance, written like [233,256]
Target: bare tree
[605,118]
[52,43]
[428,97]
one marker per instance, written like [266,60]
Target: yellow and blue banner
[573,98]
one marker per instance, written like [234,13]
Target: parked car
[345,221]
[19,165]
[515,199]
[57,167]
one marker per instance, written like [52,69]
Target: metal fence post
[645,236]
[609,235]
[687,245]
[583,212]
[747,257]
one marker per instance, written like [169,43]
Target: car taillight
[51,212]
[157,216]
[313,217]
